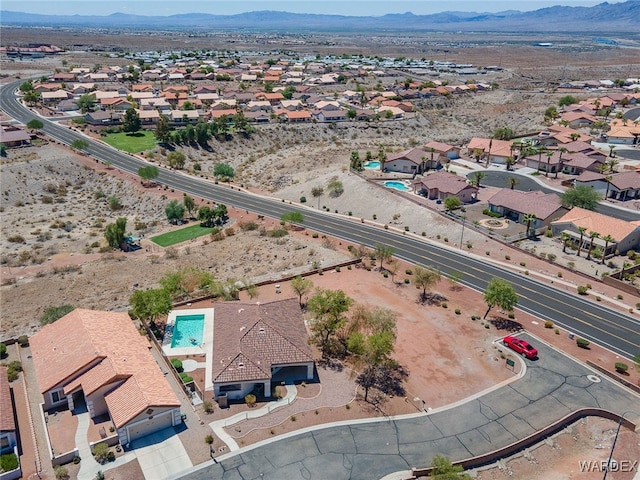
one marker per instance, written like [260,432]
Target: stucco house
[444,152]
[626,235]
[414,160]
[515,204]
[622,186]
[100,358]
[253,341]
[495,151]
[8,439]
[441,185]
[11,136]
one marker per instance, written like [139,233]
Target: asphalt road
[618,331]
[553,387]
[499,178]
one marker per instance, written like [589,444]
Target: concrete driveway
[552,387]
[161,455]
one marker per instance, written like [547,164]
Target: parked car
[520,346]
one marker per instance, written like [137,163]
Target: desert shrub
[101,452]
[507,257]
[621,367]
[248,226]
[23,341]
[408,271]
[582,342]
[619,296]
[511,315]
[250,399]
[458,311]
[207,405]
[489,213]
[229,232]
[548,324]
[407,281]
[177,364]
[303,199]
[16,239]
[523,264]
[278,233]
[61,472]
[208,439]
[185,378]
[583,289]
[3,350]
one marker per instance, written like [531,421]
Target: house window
[57,396]
[4,442]
[230,388]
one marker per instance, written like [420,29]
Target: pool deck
[206,347]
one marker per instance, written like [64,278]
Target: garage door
[153,424]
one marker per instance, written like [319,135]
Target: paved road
[496,178]
[553,387]
[618,331]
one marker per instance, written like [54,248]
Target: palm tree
[574,136]
[565,241]
[513,181]
[477,177]
[549,154]
[509,162]
[539,152]
[581,230]
[528,218]
[608,178]
[593,236]
[607,240]
[612,164]
[562,150]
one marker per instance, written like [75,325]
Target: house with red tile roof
[626,235]
[254,341]
[414,160]
[441,185]
[100,358]
[11,136]
[495,151]
[515,204]
[621,186]
[444,151]
[8,439]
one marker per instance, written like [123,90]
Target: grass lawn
[182,235]
[131,142]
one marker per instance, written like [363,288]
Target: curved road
[618,331]
[499,178]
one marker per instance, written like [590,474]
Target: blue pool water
[397,186]
[187,331]
[372,165]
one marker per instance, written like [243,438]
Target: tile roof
[596,222]
[7,422]
[626,180]
[541,204]
[251,337]
[579,160]
[101,347]
[438,146]
[446,182]
[501,148]
[414,155]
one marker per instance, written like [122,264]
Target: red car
[520,346]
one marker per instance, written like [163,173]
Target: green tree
[292,217]
[162,131]
[32,97]
[566,238]
[442,469]
[582,231]
[582,196]
[52,314]
[176,159]
[148,173]
[425,278]
[477,177]
[224,171]
[504,133]
[335,188]
[513,181]
[288,92]
[203,135]
[383,253]
[352,114]
[174,211]
[189,204]
[114,232]
[328,308]
[80,144]
[114,203]
[592,235]
[451,203]
[26,86]
[131,122]
[567,100]
[607,240]
[148,305]
[501,293]
[550,114]
[35,124]
[86,103]
[356,162]
[301,286]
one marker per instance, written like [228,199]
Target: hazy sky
[226,7]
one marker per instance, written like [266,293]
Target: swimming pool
[372,165]
[401,186]
[187,331]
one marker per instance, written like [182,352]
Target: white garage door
[153,424]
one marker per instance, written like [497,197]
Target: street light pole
[613,446]
[462,232]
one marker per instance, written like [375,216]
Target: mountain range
[602,18]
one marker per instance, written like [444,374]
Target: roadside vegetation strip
[132,143]
[181,235]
